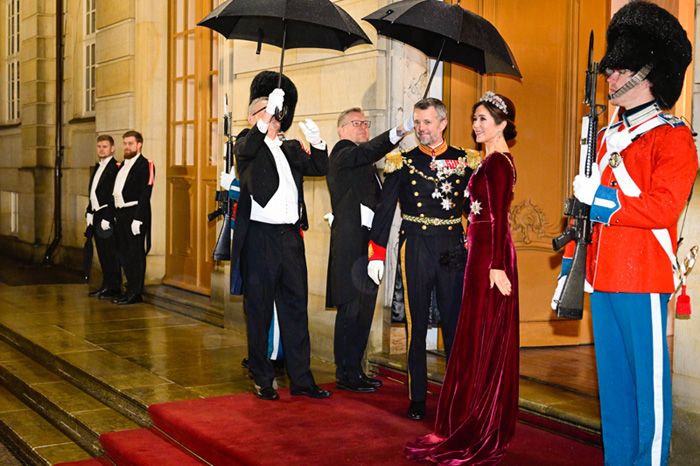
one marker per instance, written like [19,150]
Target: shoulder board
[473,157]
[671,120]
[393,162]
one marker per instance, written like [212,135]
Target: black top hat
[642,33]
[265,82]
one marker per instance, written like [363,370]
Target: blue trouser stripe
[634,376]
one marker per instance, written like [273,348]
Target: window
[9,213]
[89,48]
[12,60]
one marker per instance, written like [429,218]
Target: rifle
[570,304]
[222,250]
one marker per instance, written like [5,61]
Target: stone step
[183,302]
[78,415]
[31,438]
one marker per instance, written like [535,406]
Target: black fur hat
[265,82]
[642,33]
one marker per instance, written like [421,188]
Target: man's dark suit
[272,260]
[133,248]
[352,181]
[105,241]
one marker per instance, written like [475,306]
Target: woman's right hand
[500,279]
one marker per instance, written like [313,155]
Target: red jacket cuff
[376,252]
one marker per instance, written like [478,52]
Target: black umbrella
[87,252]
[287,24]
[446,32]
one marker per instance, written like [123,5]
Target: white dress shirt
[283,207]
[94,203]
[122,174]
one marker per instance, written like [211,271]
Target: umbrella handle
[432,75]
[280,113]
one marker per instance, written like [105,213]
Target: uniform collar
[434,151]
[640,113]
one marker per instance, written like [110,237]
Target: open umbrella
[287,24]
[446,32]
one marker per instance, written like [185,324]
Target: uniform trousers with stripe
[273,266]
[423,271]
[131,250]
[634,376]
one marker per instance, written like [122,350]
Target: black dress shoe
[128,299]
[97,292]
[109,294]
[266,393]
[358,386]
[416,411]
[313,391]
[376,383]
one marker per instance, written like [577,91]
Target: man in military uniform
[268,238]
[355,187]
[647,164]
[429,182]
[132,201]
[100,215]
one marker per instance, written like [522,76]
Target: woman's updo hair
[501,109]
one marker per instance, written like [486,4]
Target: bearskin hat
[642,33]
[265,82]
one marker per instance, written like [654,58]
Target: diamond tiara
[494,100]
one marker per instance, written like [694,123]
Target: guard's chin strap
[634,80]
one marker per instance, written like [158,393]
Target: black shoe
[358,386]
[109,294]
[97,292]
[128,299]
[416,411]
[313,391]
[266,393]
[376,383]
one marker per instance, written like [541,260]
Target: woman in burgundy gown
[478,404]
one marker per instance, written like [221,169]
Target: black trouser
[422,272]
[109,261]
[131,250]
[273,266]
[352,325]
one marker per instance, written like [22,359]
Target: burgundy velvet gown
[478,404]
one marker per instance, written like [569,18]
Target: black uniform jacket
[103,191]
[138,187]
[258,176]
[423,194]
[352,181]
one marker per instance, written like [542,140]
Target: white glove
[408,124]
[136,227]
[329,218]
[105,224]
[375,270]
[311,131]
[557,292]
[225,180]
[88,219]
[585,188]
[275,101]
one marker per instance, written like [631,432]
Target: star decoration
[447,204]
[475,207]
[446,187]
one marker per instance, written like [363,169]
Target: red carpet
[348,429]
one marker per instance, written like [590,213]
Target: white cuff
[394,137]
[320,146]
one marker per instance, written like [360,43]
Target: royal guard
[647,163]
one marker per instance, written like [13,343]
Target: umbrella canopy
[308,23]
[446,32]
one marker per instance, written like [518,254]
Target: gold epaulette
[393,162]
[473,158]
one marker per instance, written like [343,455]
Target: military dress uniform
[648,164]
[430,185]
[101,207]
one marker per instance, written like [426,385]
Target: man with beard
[132,202]
[429,182]
[354,187]
[268,239]
[646,165]
[100,216]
